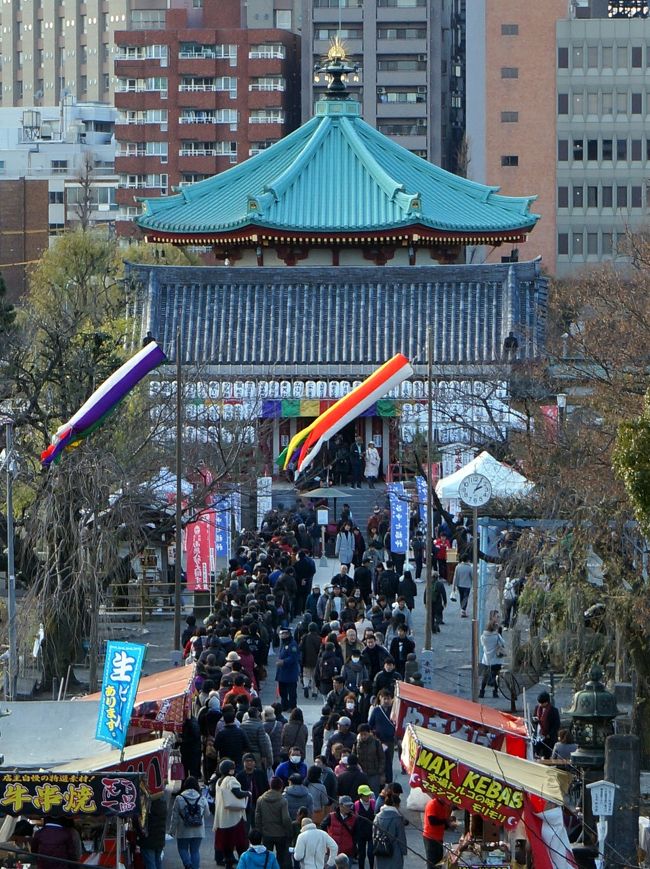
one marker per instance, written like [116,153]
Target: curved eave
[417,234]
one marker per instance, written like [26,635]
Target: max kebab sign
[462,786]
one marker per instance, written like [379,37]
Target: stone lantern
[593,712]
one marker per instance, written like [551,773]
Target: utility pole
[179,493]
[10,468]
[429,554]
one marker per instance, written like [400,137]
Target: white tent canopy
[506,482]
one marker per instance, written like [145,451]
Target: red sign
[197,554]
[463,787]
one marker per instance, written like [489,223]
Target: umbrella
[324,492]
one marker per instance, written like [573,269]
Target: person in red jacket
[437,819]
[341,825]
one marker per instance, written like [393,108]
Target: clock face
[475,490]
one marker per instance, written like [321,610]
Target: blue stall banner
[119,686]
[399,518]
[223,508]
[421,484]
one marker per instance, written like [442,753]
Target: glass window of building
[621,196]
[592,57]
[578,194]
[635,197]
[592,149]
[578,149]
[621,149]
[637,104]
[577,57]
[637,57]
[636,149]
[607,56]
[592,103]
[563,150]
[592,243]
[578,102]
[563,104]
[509,30]
[608,103]
[563,58]
[592,196]
[577,245]
[622,55]
[607,149]
[606,192]
[563,243]
[621,102]
[563,197]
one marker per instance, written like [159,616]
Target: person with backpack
[389,835]
[364,809]
[258,855]
[328,666]
[187,823]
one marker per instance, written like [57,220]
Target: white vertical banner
[264,498]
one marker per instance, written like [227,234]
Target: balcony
[197,88]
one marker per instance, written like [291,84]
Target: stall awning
[487,782]
[150,758]
[162,701]
[463,719]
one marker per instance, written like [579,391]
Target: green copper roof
[336,174]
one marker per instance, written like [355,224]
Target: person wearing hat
[364,807]
[372,526]
[314,847]
[288,669]
[230,804]
[341,825]
[272,818]
[342,735]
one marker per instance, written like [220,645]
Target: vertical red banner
[197,554]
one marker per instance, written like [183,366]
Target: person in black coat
[152,840]
[254,780]
[389,583]
[191,747]
[304,570]
[363,579]
[401,646]
[231,742]
[317,731]
[348,782]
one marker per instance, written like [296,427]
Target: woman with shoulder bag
[230,803]
[389,836]
[493,647]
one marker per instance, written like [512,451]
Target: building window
[592,103]
[606,244]
[563,104]
[636,149]
[621,56]
[562,197]
[592,196]
[55,197]
[621,149]
[509,160]
[592,149]
[592,243]
[563,243]
[577,57]
[563,58]
[606,192]
[509,72]
[607,149]
[59,167]
[283,19]
[578,194]
[577,244]
[637,57]
[578,149]
[621,197]
[509,30]
[509,117]
[621,102]
[637,104]
[578,103]
[635,197]
[608,103]
[607,55]
[563,150]
[592,57]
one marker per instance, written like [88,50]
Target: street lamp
[593,711]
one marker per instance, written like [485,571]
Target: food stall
[163,702]
[99,803]
[506,799]
[460,718]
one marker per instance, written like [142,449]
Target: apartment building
[558,96]
[403,49]
[56,48]
[200,95]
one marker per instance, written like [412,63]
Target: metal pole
[179,494]
[429,581]
[11,568]
[474,604]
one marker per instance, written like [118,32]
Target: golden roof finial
[336,50]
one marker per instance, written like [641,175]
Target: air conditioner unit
[421,122]
[422,89]
[422,57]
[381,90]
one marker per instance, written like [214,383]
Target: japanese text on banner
[421,484]
[199,536]
[223,508]
[119,687]
[399,518]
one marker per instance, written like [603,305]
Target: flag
[119,686]
[103,400]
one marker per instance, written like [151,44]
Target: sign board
[602,798]
[460,785]
[426,667]
[73,794]
[323,517]
[119,687]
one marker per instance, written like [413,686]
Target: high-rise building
[51,49]
[403,49]
[557,99]
[203,93]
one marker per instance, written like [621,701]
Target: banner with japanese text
[223,514]
[399,518]
[119,686]
[199,542]
[72,794]
[421,484]
[460,785]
